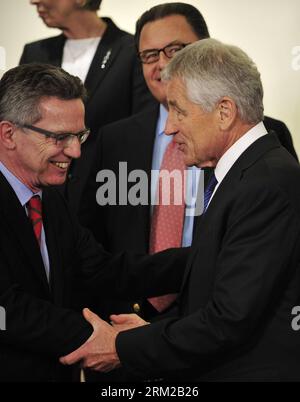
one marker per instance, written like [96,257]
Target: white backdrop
[268,30]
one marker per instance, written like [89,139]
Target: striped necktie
[209,191]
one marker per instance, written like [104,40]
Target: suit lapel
[15,216]
[105,55]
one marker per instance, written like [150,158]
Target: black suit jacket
[241,282]
[127,227]
[114,92]
[41,319]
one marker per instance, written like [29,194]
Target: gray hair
[22,88]
[212,70]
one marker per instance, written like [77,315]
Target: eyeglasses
[63,139]
[152,55]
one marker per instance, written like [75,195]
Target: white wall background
[268,30]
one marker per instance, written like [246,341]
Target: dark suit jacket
[127,227]
[241,282]
[42,323]
[114,92]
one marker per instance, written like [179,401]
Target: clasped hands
[99,351]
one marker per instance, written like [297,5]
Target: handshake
[99,351]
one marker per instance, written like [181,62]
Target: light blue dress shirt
[193,176]
[24,194]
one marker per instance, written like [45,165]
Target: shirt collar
[22,191]
[236,150]
[162,119]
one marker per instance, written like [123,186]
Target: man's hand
[122,322]
[99,351]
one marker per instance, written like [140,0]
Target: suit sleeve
[128,275]
[260,244]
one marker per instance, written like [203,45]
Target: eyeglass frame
[140,54]
[58,137]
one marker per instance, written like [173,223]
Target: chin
[50,23]
[55,181]
[189,161]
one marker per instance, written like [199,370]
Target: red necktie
[167,220]
[34,208]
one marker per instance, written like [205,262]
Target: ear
[7,130]
[227,112]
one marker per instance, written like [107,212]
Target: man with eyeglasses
[46,258]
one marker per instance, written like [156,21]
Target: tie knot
[35,203]
[212,182]
[34,207]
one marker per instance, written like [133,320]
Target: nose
[170,128]
[163,60]
[73,149]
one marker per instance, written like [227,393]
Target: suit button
[136,308]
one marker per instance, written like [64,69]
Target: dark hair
[92,5]
[192,15]
[23,87]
